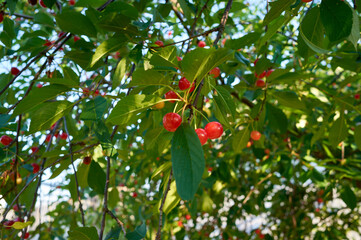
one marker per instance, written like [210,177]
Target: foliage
[92,82]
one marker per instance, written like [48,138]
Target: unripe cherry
[171,121]
[214,130]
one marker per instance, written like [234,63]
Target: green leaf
[277,119]
[197,63]
[44,19]
[148,78]
[83,233]
[186,10]
[349,197]
[188,161]
[83,26]
[8,27]
[245,41]
[119,73]
[338,131]
[289,99]
[82,175]
[157,139]
[114,44]
[166,57]
[355,31]
[48,113]
[337,18]
[94,109]
[311,31]
[172,199]
[138,234]
[240,140]
[277,8]
[96,177]
[38,96]
[225,103]
[102,133]
[113,198]
[49,3]
[357,136]
[114,234]
[130,106]
[21,225]
[273,28]
[26,198]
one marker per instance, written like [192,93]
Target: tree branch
[102,7]
[175,10]
[223,22]
[159,232]
[120,223]
[75,175]
[253,189]
[19,15]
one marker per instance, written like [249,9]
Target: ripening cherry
[41,2]
[159,43]
[171,121]
[159,105]
[214,130]
[357,96]
[171,95]
[87,160]
[201,44]
[180,224]
[64,136]
[224,41]
[215,72]
[76,38]
[255,135]
[249,144]
[14,71]
[36,167]
[5,140]
[260,83]
[202,135]
[71,2]
[39,85]
[33,2]
[183,84]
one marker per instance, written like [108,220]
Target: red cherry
[320,200]
[171,95]
[215,72]
[255,135]
[36,167]
[260,83]
[76,38]
[5,140]
[8,224]
[268,73]
[357,96]
[306,1]
[15,71]
[267,151]
[317,210]
[171,121]
[39,85]
[188,217]
[71,2]
[179,58]
[47,43]
[86,91]
[96,93]
[61,34]
[1,17]
[56,135]
[134,195]
[210,169]
[64,136]
[192,87]
[48,138]
[16,208]
[255,61]
[257,231]
[261,236]
[214,130]
[262,75]
[87,160]
[42,4]
[183,84]
[159,43]
[26,236]
[34,149]
[202,135]
[201,44]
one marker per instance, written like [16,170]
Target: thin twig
[175,10]
[198,16]
[102,7]
[19,15]
[195,100]
[105,204]
[354,4]
[223,22]
[253,189]
[17,160]
[159,232]
[120,223]
[75,175]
